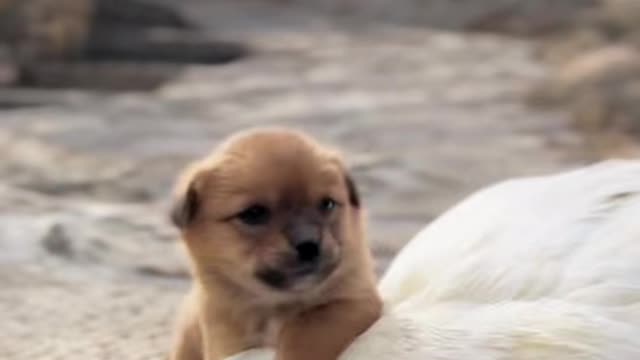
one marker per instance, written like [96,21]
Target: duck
[544,267]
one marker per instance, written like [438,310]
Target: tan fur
[229,309]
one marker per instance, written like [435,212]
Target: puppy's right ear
[187,200]
[185,208]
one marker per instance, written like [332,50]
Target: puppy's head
[270,210]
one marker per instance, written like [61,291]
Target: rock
[136,13]
[56,242]
[612,22]
[45,29]
[558,49]
[615,108]
[600,71]
[602,91]
[49,38]
[103,75]
[530,17]
[596,74]
[622,14]
[509,16]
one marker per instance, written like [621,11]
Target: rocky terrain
[595,73]
[89,266]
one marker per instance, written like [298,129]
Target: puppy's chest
[267,326]
[265,331]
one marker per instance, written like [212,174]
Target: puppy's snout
[308,251]
[304,237]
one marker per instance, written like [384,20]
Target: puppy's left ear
[352,189]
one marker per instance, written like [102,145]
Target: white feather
[535,268]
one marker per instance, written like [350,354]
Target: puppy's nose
[308,251]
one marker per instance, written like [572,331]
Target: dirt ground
[89,267]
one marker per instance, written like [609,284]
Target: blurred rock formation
[595,72]
[86,43]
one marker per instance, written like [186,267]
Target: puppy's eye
[327,205]
[255,215]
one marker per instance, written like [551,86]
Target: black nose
[308,251]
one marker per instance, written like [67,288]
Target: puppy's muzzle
[305,262]
[304,236]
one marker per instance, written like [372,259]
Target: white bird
[534,268]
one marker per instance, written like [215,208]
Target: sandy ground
[88,263]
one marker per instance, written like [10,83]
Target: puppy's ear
[352,189]
[187,202]
[185,208]
[354,196]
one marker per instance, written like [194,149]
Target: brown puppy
[273,226]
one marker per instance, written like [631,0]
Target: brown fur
[231,308]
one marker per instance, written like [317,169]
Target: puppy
[272,224]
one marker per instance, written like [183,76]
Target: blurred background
[102,102]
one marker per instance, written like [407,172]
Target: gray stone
[56,241]
[45,29]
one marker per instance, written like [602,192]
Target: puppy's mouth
[299,277]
